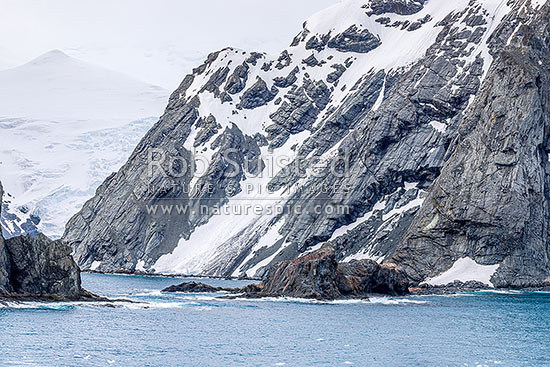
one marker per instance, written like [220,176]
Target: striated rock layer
[427,121]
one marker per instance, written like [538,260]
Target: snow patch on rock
[465,270]
[95,265]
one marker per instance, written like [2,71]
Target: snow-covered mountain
[65,125]
[387,93]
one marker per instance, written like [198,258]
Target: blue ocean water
[483,329]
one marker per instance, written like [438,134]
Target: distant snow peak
[65,126]
[50,56]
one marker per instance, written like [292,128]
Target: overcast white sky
[157,41]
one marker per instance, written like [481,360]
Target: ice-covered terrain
[65,125]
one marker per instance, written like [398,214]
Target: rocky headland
[39,268]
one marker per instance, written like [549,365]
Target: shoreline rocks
[196,287]
[452,288]
[40,266]
[318,276]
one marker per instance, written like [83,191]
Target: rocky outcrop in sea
[318,275]
[196,287]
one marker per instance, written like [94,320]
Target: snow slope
[65,126]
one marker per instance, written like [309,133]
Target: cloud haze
[156,41]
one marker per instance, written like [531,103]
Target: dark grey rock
[366,277]
[40,267]
[209,60]
[339,70]
[237,81]
[194,287]
[257,95]
[452,288]
[287,81]
[267,66]
[378,7]
[383,20]
[311,61]
[298,111]
[490,201]
[284,60]
[208,128]
[354,40]
[300,37]
[254,58]
[216,80]
[317,43]
[419,23]
[474,20]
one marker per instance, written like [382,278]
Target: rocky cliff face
[411,131]
[490,202]
[42,267]
[38,267]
